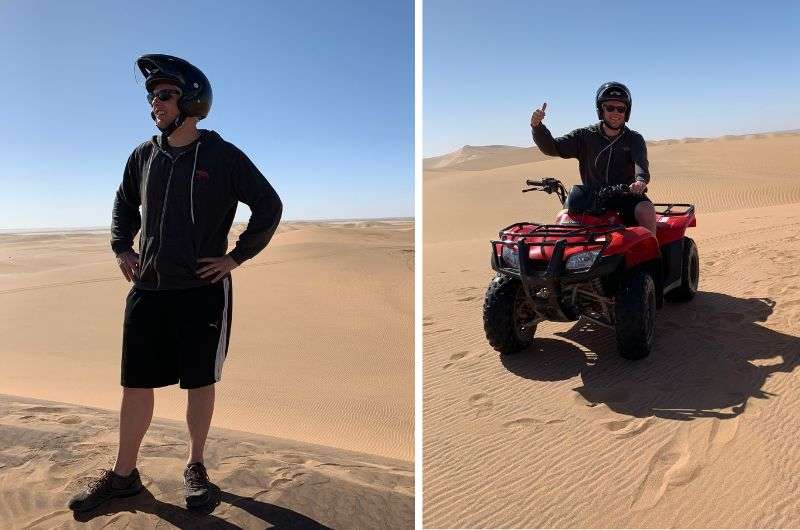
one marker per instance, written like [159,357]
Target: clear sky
[318,94]
[695,68]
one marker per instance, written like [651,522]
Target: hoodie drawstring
[191,186]
[611,145]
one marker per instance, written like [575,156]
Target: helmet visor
[152,72]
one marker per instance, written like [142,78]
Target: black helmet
[616,92]
[196,97]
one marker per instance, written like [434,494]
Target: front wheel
[508,316]
[690,274]
[635,315]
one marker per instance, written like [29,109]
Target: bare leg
[135,414]
[198,419]
[646,215]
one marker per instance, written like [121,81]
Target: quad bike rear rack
[669,206]
[543,285]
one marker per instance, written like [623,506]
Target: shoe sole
[198,501]
[120,495]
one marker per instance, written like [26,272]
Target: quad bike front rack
[542,284]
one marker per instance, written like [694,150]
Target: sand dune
[484,157]
[477,158]
[567,434]
[262,482]
[322,341]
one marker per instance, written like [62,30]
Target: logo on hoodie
[201,174]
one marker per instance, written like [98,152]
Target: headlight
[511,256]
[582,260]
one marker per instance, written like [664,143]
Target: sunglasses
[618,108]
[163,95]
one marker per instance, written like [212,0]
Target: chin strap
[172,127]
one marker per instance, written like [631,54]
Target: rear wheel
[635,315]
[507,316]
[690,274]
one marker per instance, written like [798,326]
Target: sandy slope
[262,482]
[703,433]
[322,344]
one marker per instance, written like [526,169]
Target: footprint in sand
[287,479]
[723,431]
[69,420]
[670,466]
[291,458]
[456,357]
[467,299]
[44,409]
[427,321]
[521,423]
[625,428]
[436,331]
[480,404]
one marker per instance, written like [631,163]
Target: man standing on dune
[608,153]
[177,323]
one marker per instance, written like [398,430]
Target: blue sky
[695,68]
[318,94]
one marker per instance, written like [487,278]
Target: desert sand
[321,353]
[47,448]
[702,433]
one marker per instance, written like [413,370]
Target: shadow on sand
[273,516]
[711,359]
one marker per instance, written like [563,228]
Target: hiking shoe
[195,478]
[108,486]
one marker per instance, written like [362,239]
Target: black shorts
[177,336]
[626,206]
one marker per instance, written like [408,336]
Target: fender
[636,243]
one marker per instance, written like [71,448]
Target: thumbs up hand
[538,115]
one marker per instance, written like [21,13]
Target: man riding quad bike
[589,265]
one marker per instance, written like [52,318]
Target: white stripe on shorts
[223,332]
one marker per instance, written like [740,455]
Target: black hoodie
[602,161]
[188,203]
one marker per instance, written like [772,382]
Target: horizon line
[98,228]
[782,131]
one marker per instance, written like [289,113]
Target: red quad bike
[589,265]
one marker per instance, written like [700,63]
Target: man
[608,153]
[178,313]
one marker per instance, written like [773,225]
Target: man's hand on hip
[128,262]
[216,268]
[538,115]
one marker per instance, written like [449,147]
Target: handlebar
[548,185]
[610,192]
[553,185]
